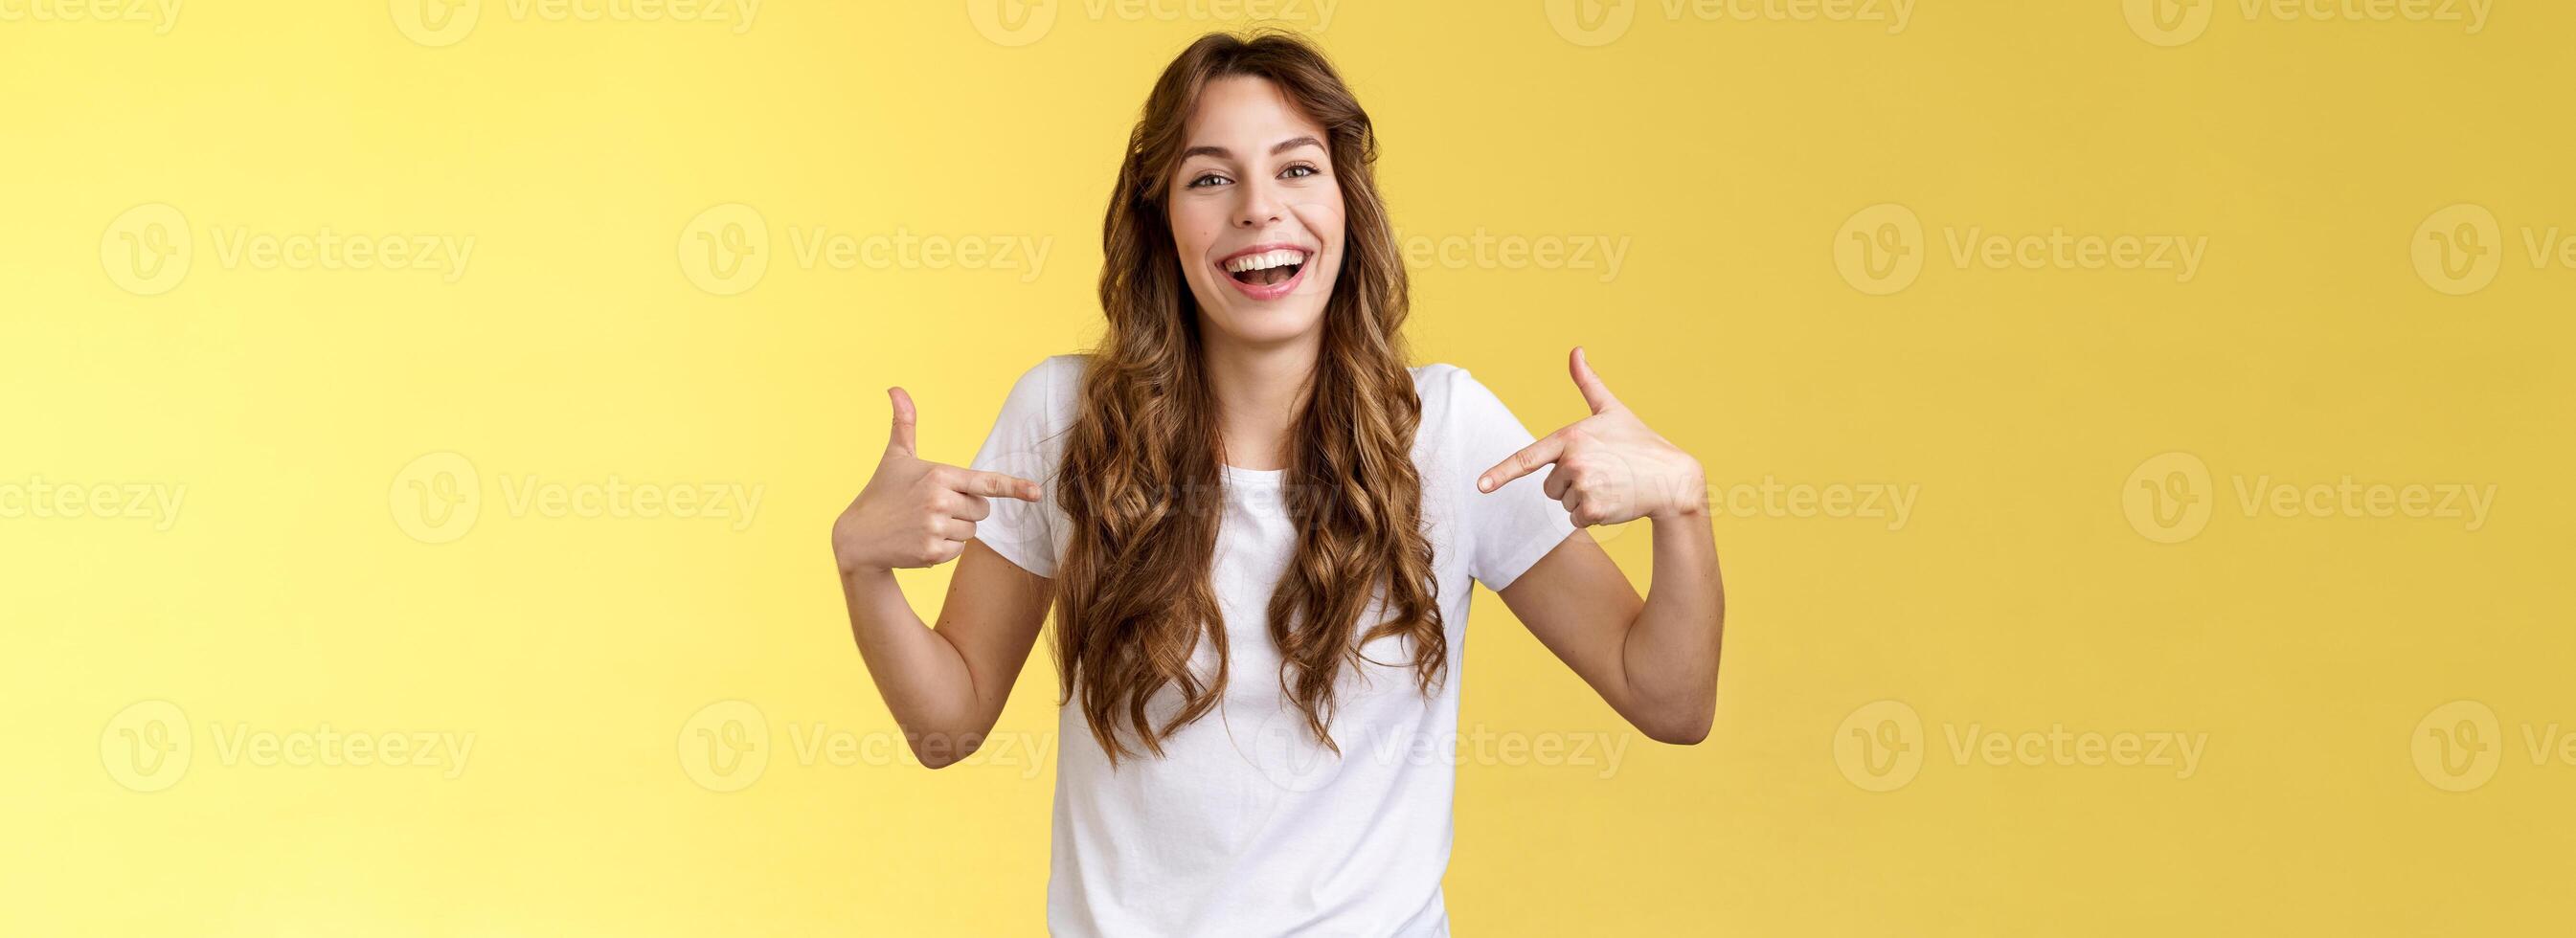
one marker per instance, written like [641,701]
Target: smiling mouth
[1267,268]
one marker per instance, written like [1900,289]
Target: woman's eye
[1209,179]
[1299,171]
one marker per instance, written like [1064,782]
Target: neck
[1259,390]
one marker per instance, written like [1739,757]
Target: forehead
[1246,114]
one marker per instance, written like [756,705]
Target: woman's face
[1256,213]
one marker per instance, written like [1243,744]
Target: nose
[1261,207]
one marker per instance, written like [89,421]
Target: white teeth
[1265,260]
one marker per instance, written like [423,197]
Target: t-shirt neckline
[1235,473]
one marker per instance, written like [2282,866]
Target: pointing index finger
[1540,452]
[999,485]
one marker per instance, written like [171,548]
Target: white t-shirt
[1247,826]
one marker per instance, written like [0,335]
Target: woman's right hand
[914,512]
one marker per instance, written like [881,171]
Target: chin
[1269,325]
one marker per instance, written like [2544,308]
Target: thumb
[1595,393]
[899,439]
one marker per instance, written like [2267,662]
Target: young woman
[1257,527]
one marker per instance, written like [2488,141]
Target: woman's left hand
[1610,468]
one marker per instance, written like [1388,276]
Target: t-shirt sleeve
[1026,443]
[1510,528]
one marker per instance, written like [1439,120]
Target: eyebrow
[1283,147]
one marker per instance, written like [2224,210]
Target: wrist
[855,571]
[1689,499]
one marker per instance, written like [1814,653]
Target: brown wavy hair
[1142,456]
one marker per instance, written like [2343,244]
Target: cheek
[1323,217]
[1193,231]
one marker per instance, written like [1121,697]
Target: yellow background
[288,593]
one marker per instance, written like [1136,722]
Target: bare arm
[945,685]
[1654,660]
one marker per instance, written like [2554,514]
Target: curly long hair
[1134,593]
